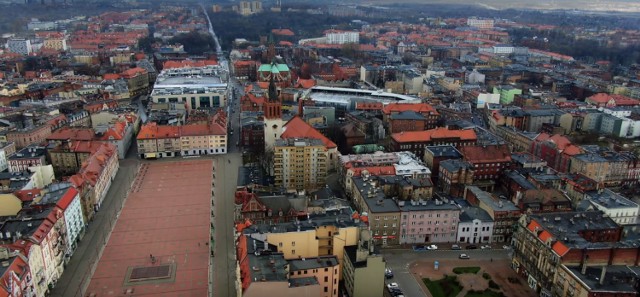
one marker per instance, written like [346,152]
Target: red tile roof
[400,107]
[298,128]
[67,198]
[433,135]
[188,63]
[68,133]
[282,32]
[486,153]
[27,195]
[560,248]
[133,72]
[620,100]
[374,170]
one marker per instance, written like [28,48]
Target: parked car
[472,247]
[506,247]
[455,247]
[485,247]
[392,285]
[396,292]
[432,247]
[388,273]
[463,256]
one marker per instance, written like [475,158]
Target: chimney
[603,274]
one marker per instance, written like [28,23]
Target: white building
[194,87]
[620,209]
[487,98]
[475,226]
[38,25]
[19,46]
[342,37]
[503,49]
[474,77]
[480,23]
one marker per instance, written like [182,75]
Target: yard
[445,287]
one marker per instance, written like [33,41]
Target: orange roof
[486,153]
[533,226]
[68,133]
[188,63]
[133,72]
[400,107]
[560,248]
[297,128]
[434,134]
[374,170]
[111,76]
[306,83]
[603,98]
[26,195]
[545,235]
[283,32]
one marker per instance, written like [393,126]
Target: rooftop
[614,279]
[340,218]
[471,213]
[444,151]
[610,200]
[376,200]
[312,263]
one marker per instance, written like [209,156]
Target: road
[79,270]
[399,260]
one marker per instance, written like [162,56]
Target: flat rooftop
[159,219]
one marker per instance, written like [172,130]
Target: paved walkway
[78,271]
[223,260]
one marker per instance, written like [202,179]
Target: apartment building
[545,242]
[159,141]
[31,135]
[416,141]
[94,177]
[363,269]
[30,156]
[424,221]
[326,270]
[475,226]
[300,164]
[503,212]
[383,212]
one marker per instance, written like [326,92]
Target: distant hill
[590,5]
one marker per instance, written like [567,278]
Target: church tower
[273,122]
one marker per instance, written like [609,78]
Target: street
[399,260]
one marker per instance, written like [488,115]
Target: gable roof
[297,128]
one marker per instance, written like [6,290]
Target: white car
[432,247]
[506,247]
[463,256]
[392,285]
[485,247]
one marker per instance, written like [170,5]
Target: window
[293,252]
[293,243]
[326,289]
[326,279]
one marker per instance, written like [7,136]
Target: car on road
[464,256]
[472,247]
[392,286]
[388,273]
[396,292]
[506,247]
[455,247]
[432,247]
[485,247]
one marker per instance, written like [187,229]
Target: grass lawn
[462,270]
[485,293]
[446,287]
